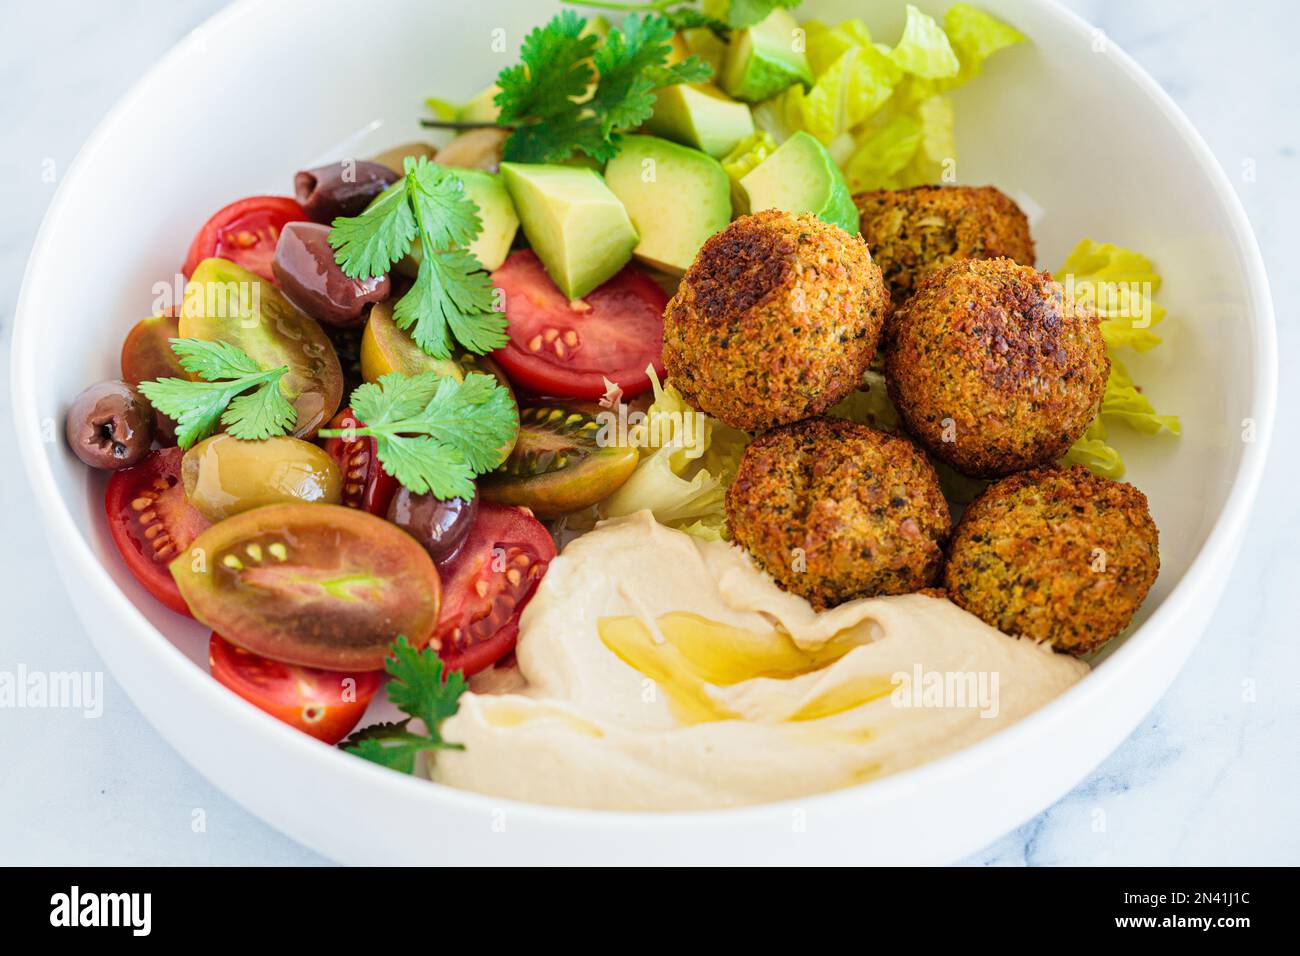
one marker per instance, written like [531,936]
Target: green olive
[224,476]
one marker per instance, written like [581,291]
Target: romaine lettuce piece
[683,485]
[1120,285]
[924,49]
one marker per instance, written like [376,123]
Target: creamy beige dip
[658,671]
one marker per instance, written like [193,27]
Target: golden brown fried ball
[776,320]
[834,510]
[1057,554]
[909,230]
[991,370]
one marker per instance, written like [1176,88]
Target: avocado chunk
[700,115]
[576,225]
[496,213]
[676,196]
[762,60]
[799,177]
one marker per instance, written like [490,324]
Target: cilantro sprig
[235,391]
[433,433]
[451,300]
[544,97]
[421,689]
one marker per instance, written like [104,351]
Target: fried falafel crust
[910,230]
[833,510]
[1056,554]
[777,319]
[991,369]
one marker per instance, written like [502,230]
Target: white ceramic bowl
[1068,124]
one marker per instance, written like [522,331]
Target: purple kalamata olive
[341,189]
[110,425]
[308,275]
[441,526]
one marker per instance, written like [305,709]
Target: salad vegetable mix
[350,450]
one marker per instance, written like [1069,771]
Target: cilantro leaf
[223,397]
[445,215]
[367,246]
[421,689]
[451,299]
[555,69]
[543,97]
[432,433]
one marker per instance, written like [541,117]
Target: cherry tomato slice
[365,483]
[311,584]
[324,704]
[152,522]
[568,349]
[246,233]
[487,584]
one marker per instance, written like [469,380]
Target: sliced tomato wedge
[246,233]
[568,349]
[365,483]
[151,521]
[487,584]
[324,704]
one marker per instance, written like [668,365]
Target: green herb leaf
[199,408]
[368,245]
[451,299]
[541,96]
[421,689]
[432,433]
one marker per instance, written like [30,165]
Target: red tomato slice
[325,704]
[151,521]
[246,233]
[365,483]
[568,349]
[487,584]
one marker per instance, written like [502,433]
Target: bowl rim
[1218,548]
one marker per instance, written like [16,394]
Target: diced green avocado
[497,214]
[764,59]
[481,108]
[575,224]
[705,44]
[700,115]
[676,196]
[801,177]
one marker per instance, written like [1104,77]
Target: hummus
[657,671]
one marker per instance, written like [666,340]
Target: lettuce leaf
[684,486]
[975,36]
[924,49]
[1120,284]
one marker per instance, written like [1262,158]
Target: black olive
[312,280]
[441,526]
[341,189]
[110,425]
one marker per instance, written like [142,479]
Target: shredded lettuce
[880,110]
[1120,285]
[683,484]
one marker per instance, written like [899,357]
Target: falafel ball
[1057,554]
[834,510]
[910,230]
[776,320]
[991,369]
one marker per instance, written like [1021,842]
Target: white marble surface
[1209,777]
